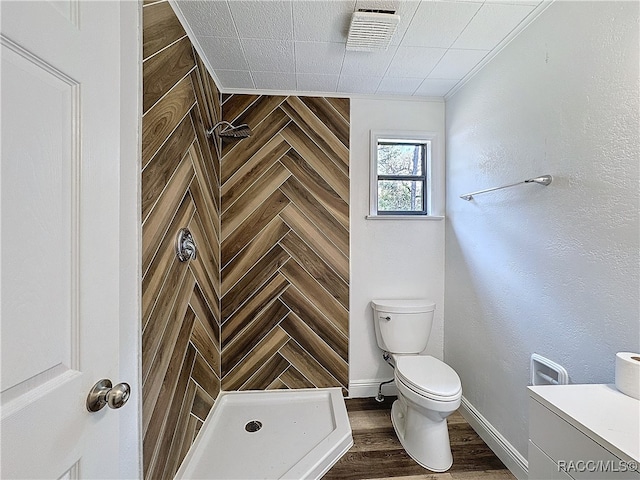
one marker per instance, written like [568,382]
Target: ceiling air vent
[371,30]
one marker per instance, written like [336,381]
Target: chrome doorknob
[104,393]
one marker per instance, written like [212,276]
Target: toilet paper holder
[547,372]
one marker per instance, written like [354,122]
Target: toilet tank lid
[404,305]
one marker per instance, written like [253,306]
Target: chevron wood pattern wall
[265,304]
[284,234]
[180,188]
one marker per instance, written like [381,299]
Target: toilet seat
[429,377]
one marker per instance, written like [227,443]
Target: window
[400,174]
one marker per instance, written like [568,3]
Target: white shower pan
[274,434]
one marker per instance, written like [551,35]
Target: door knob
[104,393]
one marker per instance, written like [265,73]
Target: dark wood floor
[377,453]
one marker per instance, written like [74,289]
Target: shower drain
[253,426]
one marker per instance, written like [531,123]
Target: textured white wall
[390,258]
[553,270]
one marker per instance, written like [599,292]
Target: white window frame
[433,173]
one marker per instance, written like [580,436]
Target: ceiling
[286,46]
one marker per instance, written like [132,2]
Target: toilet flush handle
[388,317]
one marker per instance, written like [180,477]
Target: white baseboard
[369,388]
[506,452]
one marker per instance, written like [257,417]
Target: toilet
[429,390]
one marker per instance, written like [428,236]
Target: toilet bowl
[429,390]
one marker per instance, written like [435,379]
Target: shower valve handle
[185,246]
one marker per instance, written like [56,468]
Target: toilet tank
[403,325]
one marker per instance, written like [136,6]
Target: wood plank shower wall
[180,188]
[285,244]
[265,304]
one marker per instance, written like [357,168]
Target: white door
[69,301]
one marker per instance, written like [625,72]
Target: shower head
[239,132]
[229,131]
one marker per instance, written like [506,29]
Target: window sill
[404,217]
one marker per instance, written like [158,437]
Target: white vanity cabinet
[583,432]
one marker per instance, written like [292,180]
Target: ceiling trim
[535,13]
[399,98]
[298,93]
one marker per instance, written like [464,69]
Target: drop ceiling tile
[358,84]
[208,18]
[434,87]
[266,56]
[225,53]
[231,79]
[516,2]
[406,10]
[319,57]
[414,61]
[367,63]
[438,24]
[492,23]
[274,81]
[399,86]
[269,55]
[259,19]
[317,21]
[455,64]
[309,82]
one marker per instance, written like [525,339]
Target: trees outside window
[401,176]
